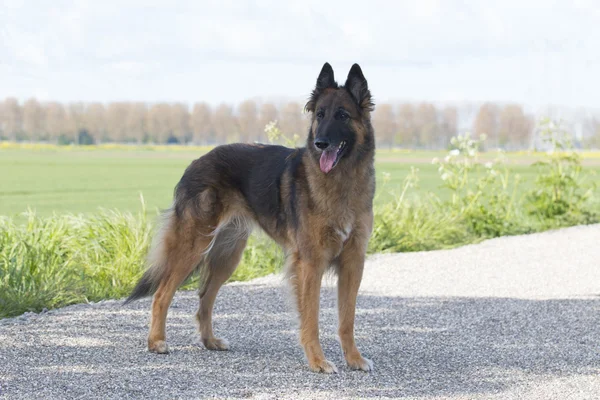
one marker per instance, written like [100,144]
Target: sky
[531,52]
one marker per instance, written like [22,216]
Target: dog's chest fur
[339,216]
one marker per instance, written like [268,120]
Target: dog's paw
[324,366]
[158,347]
[215,344]
[360,363]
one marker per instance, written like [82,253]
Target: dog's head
[341,119]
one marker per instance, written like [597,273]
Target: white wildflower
[489,165]
[435,160]
[454,152]
[445,176]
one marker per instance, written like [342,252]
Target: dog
[316,202]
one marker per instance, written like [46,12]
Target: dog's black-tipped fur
[146,286]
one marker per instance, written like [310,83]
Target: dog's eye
[344,116]
[320,114]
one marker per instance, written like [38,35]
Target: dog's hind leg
[223,258]
[182,259]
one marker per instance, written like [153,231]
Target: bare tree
[180,122]
[591,128]
[224,123]
[248,121]
[407,135]
[449,125]
[116,115]
[515,127]
[426,124]
[12,118]
[201,123]
[56,120]
[135,123]
[76,120]
[486,122]
[291,119]
[95,121]
[268,113]
[384,123]
[33,120]
[159,123]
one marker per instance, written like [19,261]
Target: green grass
[69,251]
[82,181]
[53,261]
[429,179]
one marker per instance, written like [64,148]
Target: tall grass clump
[485,201]
[402,225]
[482,204]
[563,194]
[64,259]
[110,248]
[36,269]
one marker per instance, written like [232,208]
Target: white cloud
[534,52]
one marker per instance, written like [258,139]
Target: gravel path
[510,318]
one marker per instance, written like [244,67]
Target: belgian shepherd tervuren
[315,202]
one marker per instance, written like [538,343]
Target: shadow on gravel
[420,347]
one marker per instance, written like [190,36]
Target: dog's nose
[322,143]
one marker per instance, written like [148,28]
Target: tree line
[408,125]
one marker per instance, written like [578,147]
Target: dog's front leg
[350,271]
[306,280]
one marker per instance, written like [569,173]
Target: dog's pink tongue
[327,160]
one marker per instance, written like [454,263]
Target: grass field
[56,180]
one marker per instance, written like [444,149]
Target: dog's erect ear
[324,81]
[357,85]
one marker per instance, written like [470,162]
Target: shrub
[562,195]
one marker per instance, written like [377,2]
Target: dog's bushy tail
[156,260]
